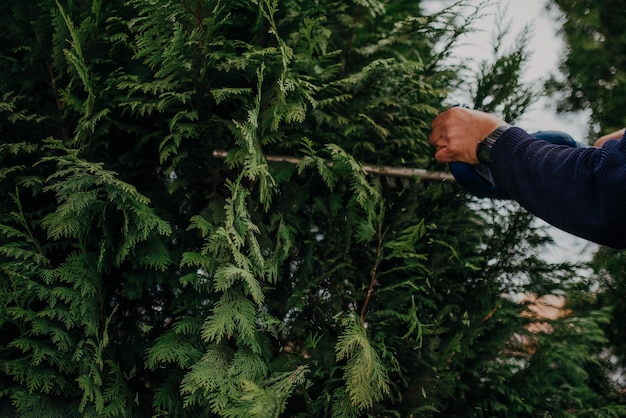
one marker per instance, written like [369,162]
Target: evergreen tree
[592,66]
[142,274]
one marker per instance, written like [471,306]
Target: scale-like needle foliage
[144,274]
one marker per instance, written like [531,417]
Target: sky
[546,48]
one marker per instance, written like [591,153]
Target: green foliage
[498,87]
[592,65]
[142,275]
[366,379]
[55,298]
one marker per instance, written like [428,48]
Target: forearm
[579,190]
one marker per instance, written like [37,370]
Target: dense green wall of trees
[141,275]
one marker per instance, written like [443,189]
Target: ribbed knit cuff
[503,155]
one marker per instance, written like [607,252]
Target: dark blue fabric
[579,190]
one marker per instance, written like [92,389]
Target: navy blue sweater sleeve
[579,190]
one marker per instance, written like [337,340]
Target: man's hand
[457,132]
[613,135]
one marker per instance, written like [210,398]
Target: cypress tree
[143,274]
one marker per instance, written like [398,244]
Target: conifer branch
[387,171]
[370,289]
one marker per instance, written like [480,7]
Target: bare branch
[379,170]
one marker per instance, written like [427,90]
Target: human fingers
[463,153]
[443,124]
[437,136]
[450,116]
[613,135]
[442,155]
[457,131]
[439,119]
[451,135]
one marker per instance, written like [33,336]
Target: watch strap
[483,150]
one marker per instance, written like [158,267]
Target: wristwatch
[483,151]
